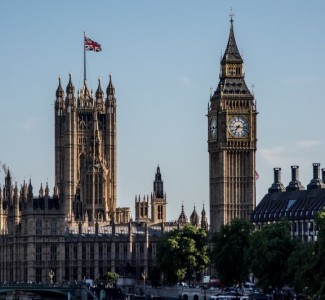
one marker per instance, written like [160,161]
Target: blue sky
[164,58]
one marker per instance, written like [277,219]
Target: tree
[301,265]
[269,251]
[180,253]
[110,277]
[229,246]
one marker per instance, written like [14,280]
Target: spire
[85,92]
[99,93]
[110,88]
[194,218]
[231,54]
[59,91]
[204,220]
[70,87]
[158,185]
[41,191]
[182,219]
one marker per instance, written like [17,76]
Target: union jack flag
[257,176]
[90,45]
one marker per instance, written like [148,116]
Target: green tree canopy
[181,253]
[110,277]
[268,254]
[229,246]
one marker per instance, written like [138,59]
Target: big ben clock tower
[231,141]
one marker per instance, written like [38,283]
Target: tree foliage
[182,253]
[269,251]
[110,277]
[229,250]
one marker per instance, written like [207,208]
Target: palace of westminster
[78,231]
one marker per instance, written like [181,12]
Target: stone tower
[85,152]
[158,203]
[231,142]
[158,200]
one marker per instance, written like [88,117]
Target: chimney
[277,185]
[316,182]
[295,184]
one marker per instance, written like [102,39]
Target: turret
[158,185]
[204,220]
[194,218]
[99,94]
[110,91]
[70,93]
[182,219]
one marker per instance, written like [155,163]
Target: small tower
[158,200]
[204,220]
[194,218]
[182,219]
[141,209]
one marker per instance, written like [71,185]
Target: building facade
[231,142]
[77,231]
[294,203]
[85,152]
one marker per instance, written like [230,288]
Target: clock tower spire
[231,141]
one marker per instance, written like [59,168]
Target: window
[92,252]
[38,227]
[84,252]
[38,253]
[53,227]
[53,253]
[160,212]
[100,252]
[38,274]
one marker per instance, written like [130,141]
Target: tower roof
[231,54]
[110,88]
[99,91]
[59,91]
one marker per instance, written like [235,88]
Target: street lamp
[144,275]
[51,274]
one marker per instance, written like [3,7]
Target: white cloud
[307,144]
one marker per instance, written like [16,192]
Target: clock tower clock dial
[238,127]
[213,127]
[232,145]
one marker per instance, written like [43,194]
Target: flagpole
[84,57]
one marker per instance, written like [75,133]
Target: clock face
[238,126]
[213,127]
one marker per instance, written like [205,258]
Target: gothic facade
[85,152]
[77,231]
[231,142]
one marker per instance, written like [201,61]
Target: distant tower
[158,200]
[194,218]
[231,142]
[182,219]
[158,203]
[85,152]
[204,220]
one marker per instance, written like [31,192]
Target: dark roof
[291,205]
[231,54]
[233,86]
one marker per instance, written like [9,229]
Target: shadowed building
[293,203]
